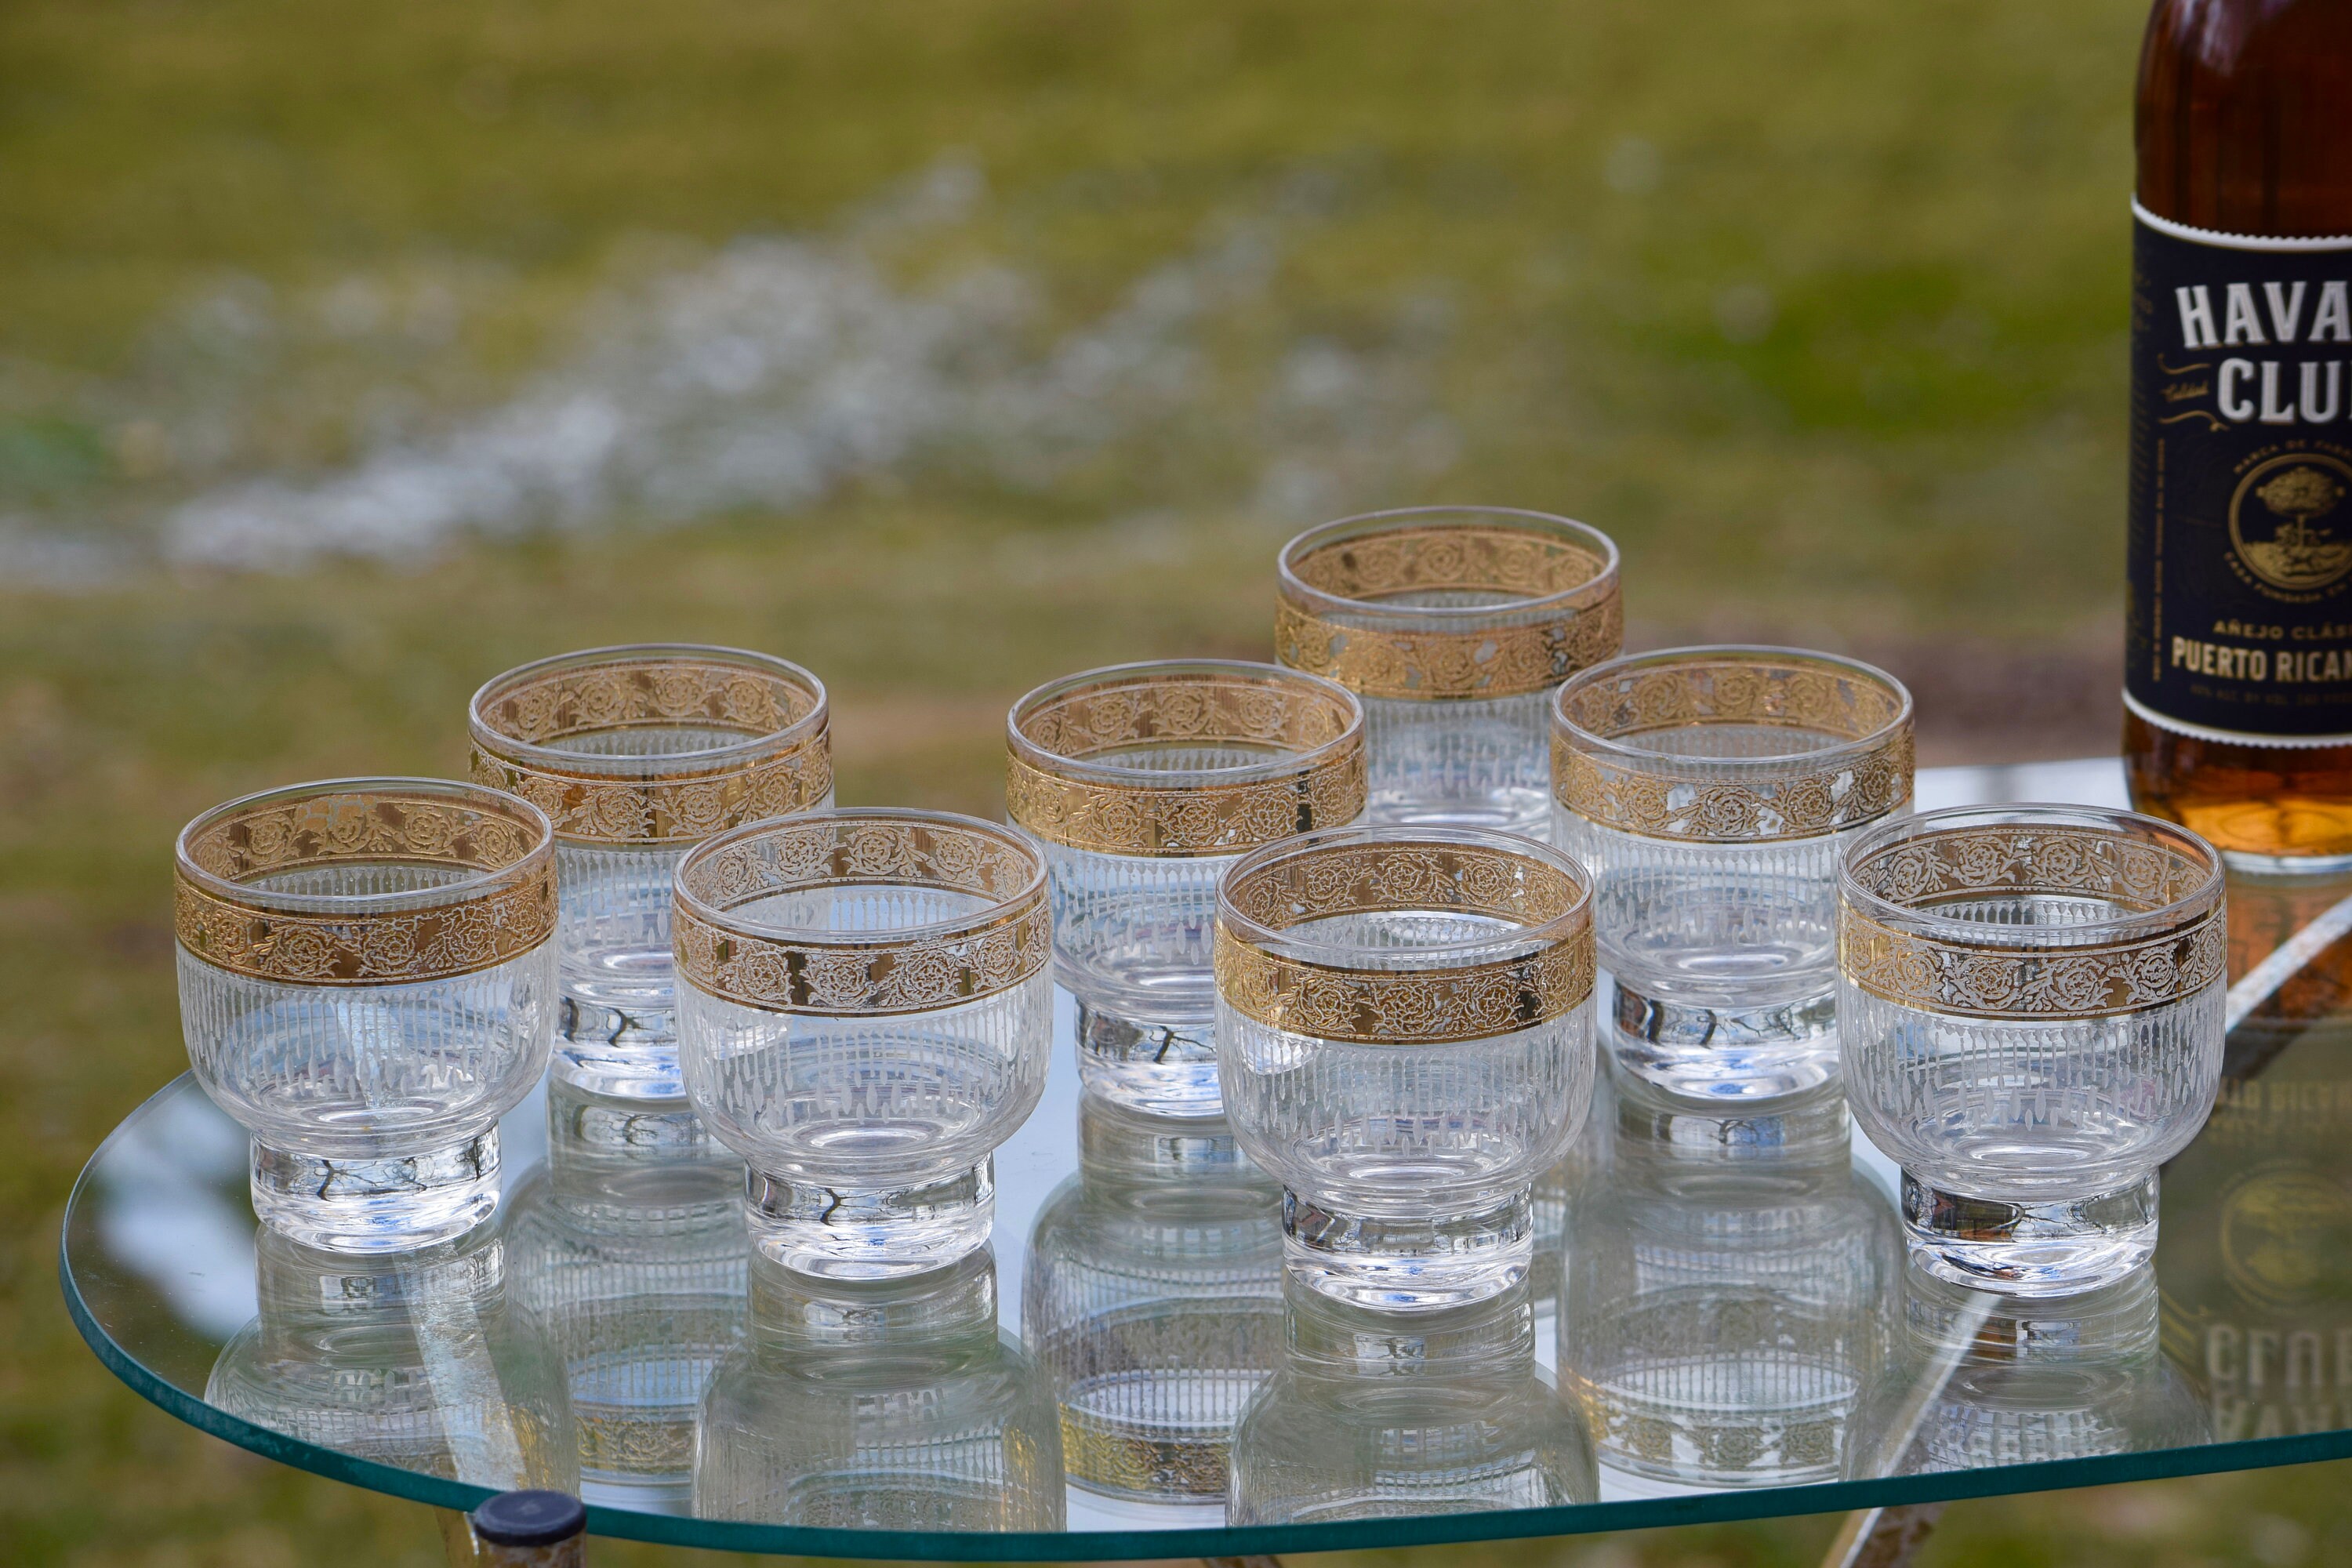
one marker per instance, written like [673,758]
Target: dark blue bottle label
[2240,621]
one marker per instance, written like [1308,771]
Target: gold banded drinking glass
[1405,1039]
[1711,792]
[637,754]
[1142,785]
[2031,1003]
[367,975]
[1454,625]
[865,1013]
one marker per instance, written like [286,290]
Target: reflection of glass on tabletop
[1154,1300]
[1982,1379]
[424,1360]
[894,1404]
[1728,1291]
[629,1243]
[1384,1416]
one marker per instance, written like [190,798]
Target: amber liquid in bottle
[2244,127]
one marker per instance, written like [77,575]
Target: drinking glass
[1984,1380]
[637,754]
[1711,793]
[879,1404]
[1406,1041]
[424,1361]
[366,980]
[1453,625]
[1154,1300]
[1142,784]
[2031,1000]
[865,1013]
[628,1244]
[1375,1415]
[1731,1299]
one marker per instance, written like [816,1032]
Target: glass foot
[1704,1053]
[871,1232]
[1399,1265]
[622,1053]
[391,1204]
[1158,1069]
[2058,1247]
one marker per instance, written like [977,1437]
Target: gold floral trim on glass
[1732,745]
[2153,931]
[258,888]
[1183,759]
[1445,604]
[655,744]
[1263,977]
[725,947]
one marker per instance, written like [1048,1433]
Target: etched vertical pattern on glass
[366,981]
[1727,1310]
[637,753]
[2032,1001]
[1453,625]
[1404,1035]
[423,1361]
[1985,1380]
[1370,1418]
[629,1246]
[879,1406]
[1142,785]
[866,1013]
[1712,793]
[1154,1300]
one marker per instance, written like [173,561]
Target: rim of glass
[1145,673]
[1032,888]
[473,883]
[1483,947]
[1365,525]
[2191,907]
[623,655]
[1640,758]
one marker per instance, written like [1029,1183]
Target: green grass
[1818,309]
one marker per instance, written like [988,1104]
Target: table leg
[1883,1537]
[456,1537]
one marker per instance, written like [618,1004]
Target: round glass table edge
[1575,1518]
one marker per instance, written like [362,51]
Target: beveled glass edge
[1064,1546]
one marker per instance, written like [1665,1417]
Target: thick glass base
[1158,1069]
[871,1232]
[1715,1054]
[2030,1249]
[622,1053]
[391,1204]
[1401,1265]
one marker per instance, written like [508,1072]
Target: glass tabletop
[1720,1324]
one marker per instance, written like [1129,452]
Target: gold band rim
[2106,980]
[504,910]
[589,799]
[1431,654]
[1362,870]
[923,968]
[1866,776]
[1066,797]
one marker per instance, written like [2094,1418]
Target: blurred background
[350,355]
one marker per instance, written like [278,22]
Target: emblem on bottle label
[2240,621]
